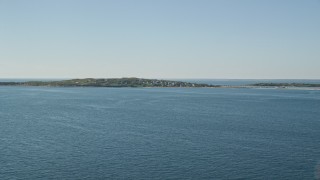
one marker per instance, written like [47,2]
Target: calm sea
[159,133]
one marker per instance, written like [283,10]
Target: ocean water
[159,133]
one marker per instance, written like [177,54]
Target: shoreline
[155,83]
[216,87]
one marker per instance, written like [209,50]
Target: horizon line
[66,78]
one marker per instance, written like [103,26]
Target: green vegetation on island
[140,82]
[114,82]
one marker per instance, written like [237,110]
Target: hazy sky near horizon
[160,38]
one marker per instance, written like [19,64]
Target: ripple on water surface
[158,133]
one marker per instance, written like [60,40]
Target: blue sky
[160,38]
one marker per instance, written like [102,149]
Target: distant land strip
[285,85]
[112,82]
[141,82]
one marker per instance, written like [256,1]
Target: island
[141,82]
[112,82]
